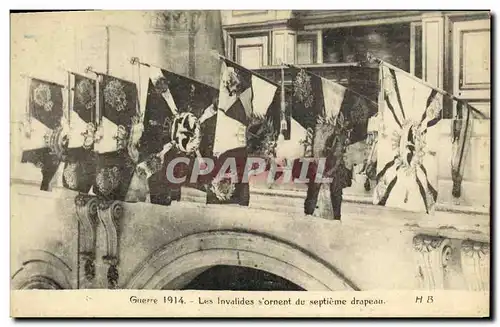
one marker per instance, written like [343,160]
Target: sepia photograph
[161,158]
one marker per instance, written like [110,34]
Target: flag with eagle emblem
[179,121]
[248,105]
[408,142]
[45,129]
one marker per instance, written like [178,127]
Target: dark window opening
[235,278]
[390,42]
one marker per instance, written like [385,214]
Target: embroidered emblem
[435,107]
[85,94]
[42,97]
[232,82]
[161,85]
[223,189]
[108,180]
[410,146]
[56,140]
[121,137]
[89,136]
[186,132]
[302,89]
[359,112]
[71,176]
[114,95]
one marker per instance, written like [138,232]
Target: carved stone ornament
[86,211]
[176,21]
[475,258]
[432,255]
[110,213]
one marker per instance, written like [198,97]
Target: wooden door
[471,62]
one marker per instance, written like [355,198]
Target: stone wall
[150,246]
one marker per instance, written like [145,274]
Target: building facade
[70,241]
[449,50]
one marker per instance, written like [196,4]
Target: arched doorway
[235,278]
[178,264]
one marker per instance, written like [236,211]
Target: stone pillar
[182,42]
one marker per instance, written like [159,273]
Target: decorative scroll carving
[86,211]
[476,265]
[110,213]
[433,254]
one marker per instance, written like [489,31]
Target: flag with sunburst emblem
[408,142]
[45,132]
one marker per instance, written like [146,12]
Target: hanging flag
[80,166]
[116,153]
[45,129]
[179,121]
[462,132]
[408,142]
[247,121]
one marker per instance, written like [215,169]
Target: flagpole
[372,58]
[221,57]
[358,94]
[283,125]
[137,61]
[97,94]
[69,98]
[29,77]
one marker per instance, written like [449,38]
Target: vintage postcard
[220,163]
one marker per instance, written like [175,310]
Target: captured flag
[118,108]
[410,114]
[179,121]
[247,106]
[314,96]
[45,133]
[80,166]
[118,113]
[462,133]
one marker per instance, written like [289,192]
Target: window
[306,49]
[389,42]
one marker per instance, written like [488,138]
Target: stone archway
[177,263]
[41,270]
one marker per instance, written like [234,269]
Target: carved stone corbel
[110,213]
[86,211]
[475,258]
[433,254]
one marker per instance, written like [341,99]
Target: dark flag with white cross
[248,105]
[179,116]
